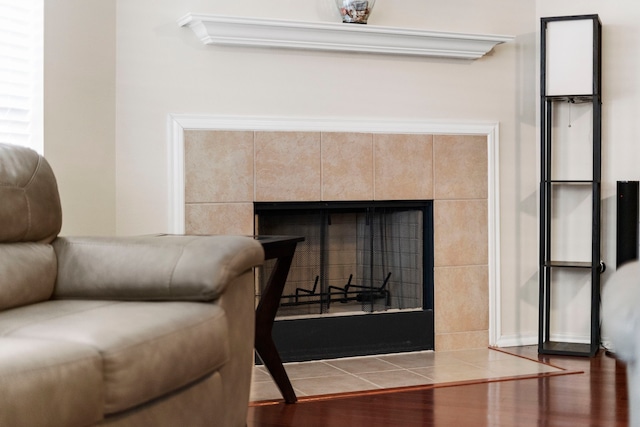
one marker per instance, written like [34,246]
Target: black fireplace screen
[357,257]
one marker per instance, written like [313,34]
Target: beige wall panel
[219,218]
[461,295]
[403,167]
[218,166]
[462,340]
[460,166]
[347,166]
[460,232]
[287,166]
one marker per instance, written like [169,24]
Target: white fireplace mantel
[241,31]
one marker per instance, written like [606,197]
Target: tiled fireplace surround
[225,171]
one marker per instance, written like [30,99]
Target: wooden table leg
[265,315]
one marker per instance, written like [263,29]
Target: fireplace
[360,258]
[223,166]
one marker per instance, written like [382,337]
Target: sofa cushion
[27,273]
[30,210]
[147,348]
[48,383]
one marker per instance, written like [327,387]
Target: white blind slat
[21,34]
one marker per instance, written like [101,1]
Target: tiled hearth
[356,374]
[226,171]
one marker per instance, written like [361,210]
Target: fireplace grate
[342,295]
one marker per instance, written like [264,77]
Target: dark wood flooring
[597,396]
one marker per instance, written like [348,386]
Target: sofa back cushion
[30,206]
[27,273]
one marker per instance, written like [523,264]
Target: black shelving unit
[557,185]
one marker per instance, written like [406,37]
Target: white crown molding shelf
[240,31]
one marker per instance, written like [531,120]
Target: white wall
[79,111]
[620,107]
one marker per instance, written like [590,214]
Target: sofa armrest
[187,268]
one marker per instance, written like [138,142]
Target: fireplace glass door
[358,259]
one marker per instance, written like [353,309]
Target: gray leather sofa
[137,331]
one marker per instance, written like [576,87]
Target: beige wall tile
[218,166]
[352,166]
[347,166]
[461,299]
[460,232]
[403,167]
[287,166]
[462,341]
[460,166]
[219,218]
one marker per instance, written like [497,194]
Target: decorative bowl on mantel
[355,11]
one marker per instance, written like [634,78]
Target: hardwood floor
[595,397]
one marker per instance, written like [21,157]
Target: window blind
[21,42]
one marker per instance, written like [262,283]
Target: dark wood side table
[281,248]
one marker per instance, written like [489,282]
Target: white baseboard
[517,340]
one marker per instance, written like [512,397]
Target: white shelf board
[240,31]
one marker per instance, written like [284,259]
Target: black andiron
[349,292]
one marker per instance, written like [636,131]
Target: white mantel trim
[258,32]
[178,123]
